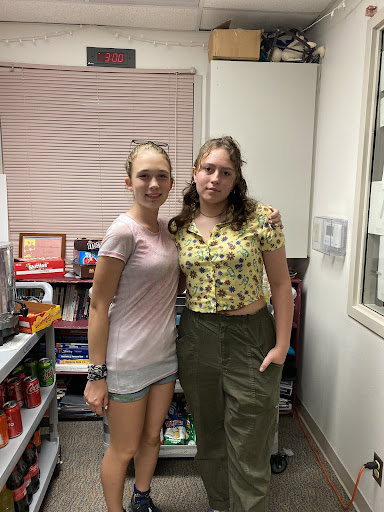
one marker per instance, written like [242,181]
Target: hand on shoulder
[274,216]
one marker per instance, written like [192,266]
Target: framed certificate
[41,245]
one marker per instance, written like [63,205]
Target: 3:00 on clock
[111,57]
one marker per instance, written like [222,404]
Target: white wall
[341,383]
[4,230]
[71,49]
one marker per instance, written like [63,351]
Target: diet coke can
[15,390]
[12,410]
[3,394]
[3,429]
[31,392]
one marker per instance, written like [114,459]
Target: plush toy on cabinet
[289,45]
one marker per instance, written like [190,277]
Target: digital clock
[111,57]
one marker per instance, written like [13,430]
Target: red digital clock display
[115,57]
[111,57]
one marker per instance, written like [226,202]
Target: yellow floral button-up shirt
[226,272]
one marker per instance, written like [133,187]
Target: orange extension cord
[345,507]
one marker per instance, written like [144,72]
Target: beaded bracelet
[97,371]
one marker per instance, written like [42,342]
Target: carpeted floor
[176,487]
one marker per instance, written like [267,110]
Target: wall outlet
[378,473]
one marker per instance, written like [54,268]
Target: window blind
[66,134]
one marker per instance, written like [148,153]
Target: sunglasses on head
[137,142]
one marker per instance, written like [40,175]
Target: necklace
[213,216]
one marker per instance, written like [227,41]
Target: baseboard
[360,504]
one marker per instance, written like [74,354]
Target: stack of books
[286,388]
[73,301]
[71,349]
[72,405]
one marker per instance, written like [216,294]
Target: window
[66,134]
[366,291]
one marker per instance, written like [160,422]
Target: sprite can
[31,367]
[18,368]
[46,376]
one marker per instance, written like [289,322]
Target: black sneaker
[146,505]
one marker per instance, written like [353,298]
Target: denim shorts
[137,395]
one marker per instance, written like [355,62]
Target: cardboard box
[84,271]
[39,316]
[85,251]
[234,44]
[86,244]
[85,257]
[38,267]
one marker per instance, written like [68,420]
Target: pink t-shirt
[141,341]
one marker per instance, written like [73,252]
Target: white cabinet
[269,108]
[11,354]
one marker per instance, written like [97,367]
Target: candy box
[38,267]
[87,244]
[39,316]
[85,250]
[85,257]
[84,271]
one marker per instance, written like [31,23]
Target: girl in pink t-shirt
[132,331]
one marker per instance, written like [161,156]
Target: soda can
[20,373]
[18,368]
[46,375]
[31,367]
[3,429]
[15,390]
[13,413]
[36,439]
[3,394]
[31,392]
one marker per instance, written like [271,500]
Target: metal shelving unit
[67,369]
[11,353]
[177,450]
[169,451]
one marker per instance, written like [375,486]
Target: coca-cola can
[32,392]
[15,390]
[12,411]
[3,394]
[19,373]
[4,436]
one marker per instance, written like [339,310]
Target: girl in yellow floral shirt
[230,349]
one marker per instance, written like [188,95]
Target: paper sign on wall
[380,271]
[381,112]
[4,233]
[382,72]
[376,209]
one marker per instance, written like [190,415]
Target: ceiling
[195,15]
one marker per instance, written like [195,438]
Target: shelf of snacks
[24,421]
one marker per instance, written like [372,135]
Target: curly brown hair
[238,197]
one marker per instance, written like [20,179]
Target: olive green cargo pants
[234,405]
